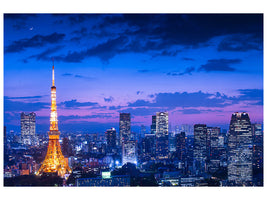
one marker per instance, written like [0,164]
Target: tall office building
[200,148]
[240,150]
[162,135]
[257,135]
[143,132]
[153,125]
[213,150]
[148,147]
[125,127]
[27,125]
[129,152]
[180,146]
[111,140]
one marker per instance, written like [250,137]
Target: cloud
[219,65]
[73,117]
[77,76]
[67,74]
[104,51]
[188,70]
[35,41]
[188,59]
[109,99]
[18,16]
[25,97]
[21,106]
[81,32]
[143,70]
[254,95]
[75,104]
[83,77]
[140,111]
[185,99]
[181,29]
[45,55]
[241,43]
[157,34]
[190,101]
[196,111]
[80,18]
[139,92]
[167,53]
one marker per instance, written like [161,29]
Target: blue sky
[199,67]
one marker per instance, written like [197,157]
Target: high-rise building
[257,135]
[240,150]
[213,150]
[162,135]
[54,160]
[187,128]
[200,148]
[143,132]
[180,146]
[148,147]
[162,123]
[125,127]
[153,125]
[129,152]
[111,140]
[27,125]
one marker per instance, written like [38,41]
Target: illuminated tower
[54,160]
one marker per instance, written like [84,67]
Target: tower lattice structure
[54,161]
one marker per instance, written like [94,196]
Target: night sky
[200,68]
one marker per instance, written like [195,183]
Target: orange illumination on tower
[54,161]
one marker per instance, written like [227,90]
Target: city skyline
[199,68]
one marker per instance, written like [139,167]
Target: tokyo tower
[54,161]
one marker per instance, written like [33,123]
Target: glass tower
[240,150]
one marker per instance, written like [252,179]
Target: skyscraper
[180,146]
[162,135]
[148,147]
[111,140]
[153,125]
[213,150]
[125,127]
[240,150]
[54,160]
[200,148]
[27,125]
[257,135]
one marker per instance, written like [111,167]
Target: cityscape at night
[121,100]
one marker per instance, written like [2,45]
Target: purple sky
[200,68]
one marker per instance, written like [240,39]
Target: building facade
[153,125]
[180,146]
[162,135]
[28,127]
[213,150]
[111,140]
[125,127]
[200,148]
[240,150]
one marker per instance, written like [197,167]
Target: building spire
[53,75]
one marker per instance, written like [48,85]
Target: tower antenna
[53,75]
